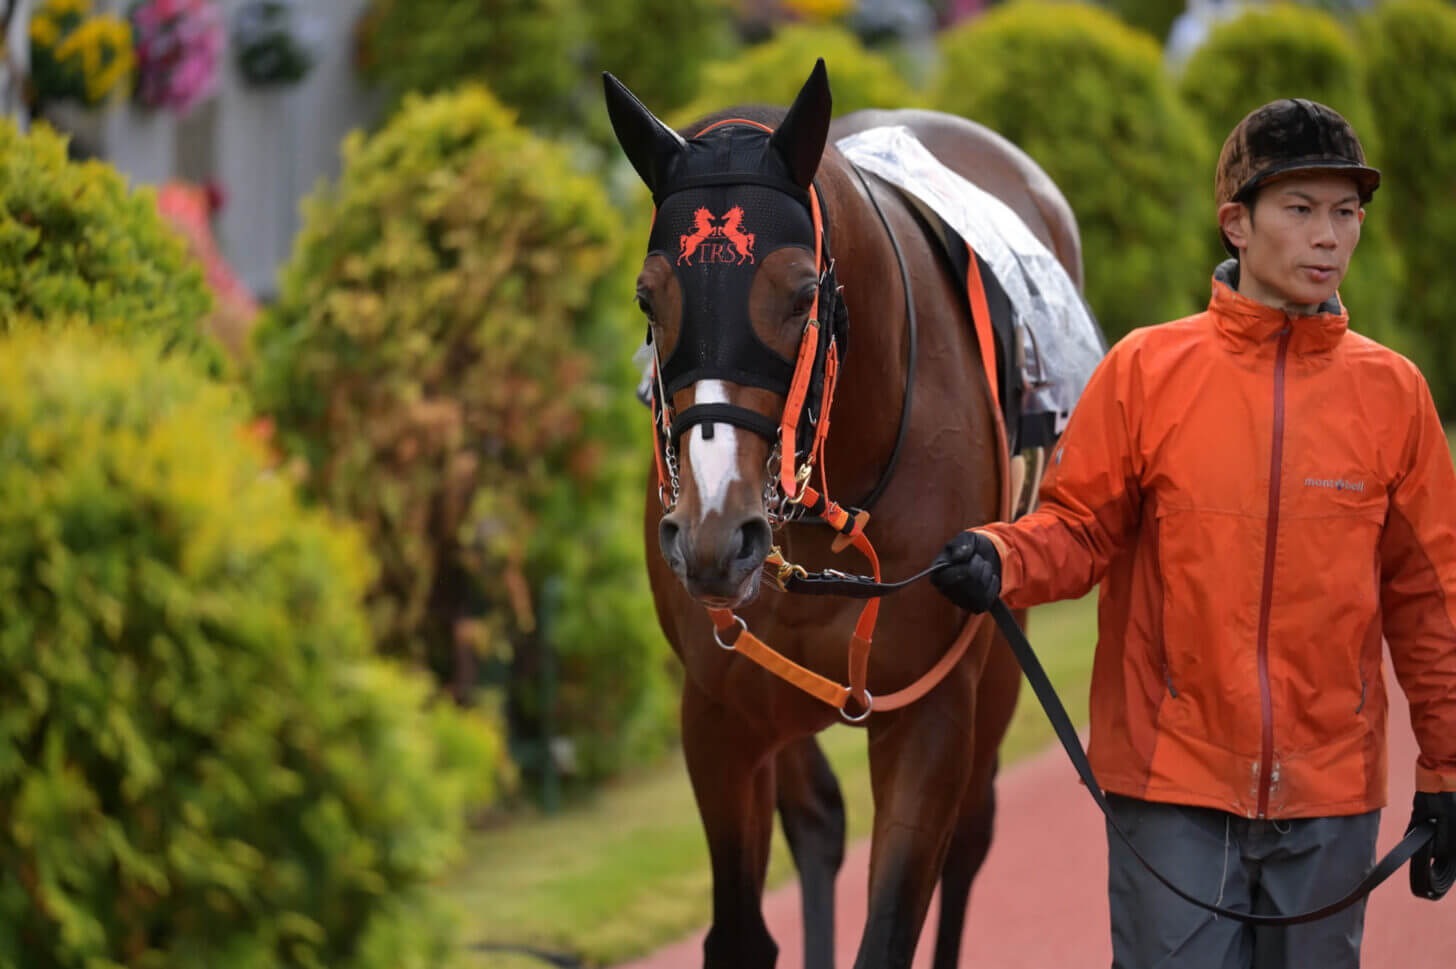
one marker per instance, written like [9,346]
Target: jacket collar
[1247,324]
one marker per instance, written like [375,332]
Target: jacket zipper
[1276,460]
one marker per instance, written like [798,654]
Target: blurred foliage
[201,763]
[1154,17]
[658,47]
[817,9]
[525,51]
[611,693]
[1107,126]
[1410,49]
[773,72]
[1289,51]
[448,359]
[76,245]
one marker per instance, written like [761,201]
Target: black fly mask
[726,199]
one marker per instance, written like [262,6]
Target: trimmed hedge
[773,72]
[1291,51]
[75,244]
[444,358]
[1410,48]
[201,764]
[1108,127]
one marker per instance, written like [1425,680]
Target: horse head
[726,321]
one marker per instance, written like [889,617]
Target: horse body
[748,735]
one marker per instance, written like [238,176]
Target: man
[1262,494]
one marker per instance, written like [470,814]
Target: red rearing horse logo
[707,230]
[732,230]
[703,228]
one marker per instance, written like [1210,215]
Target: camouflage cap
[1291,136]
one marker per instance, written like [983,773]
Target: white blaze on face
[715,462]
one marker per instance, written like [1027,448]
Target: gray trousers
[1265,867]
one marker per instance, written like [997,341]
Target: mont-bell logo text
[715,239]
[1334,484]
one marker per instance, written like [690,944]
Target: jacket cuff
[1010,565]
[1433,781]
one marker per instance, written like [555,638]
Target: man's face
[1296,240]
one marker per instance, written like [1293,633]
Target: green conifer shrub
[525,51]
[1087,97]
[202,763]
[76,244]
[1410,50]
[773,72]
[449,358]
[1153,17]
[658,48]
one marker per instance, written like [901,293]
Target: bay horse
[730,343]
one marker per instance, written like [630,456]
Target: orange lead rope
[851,531]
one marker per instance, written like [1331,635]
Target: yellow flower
[61,7]
[101,49]
[43,31]
[113,76]
[70,44]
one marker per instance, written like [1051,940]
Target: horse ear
[648,142]
[800,137]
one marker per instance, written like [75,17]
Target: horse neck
[871,386]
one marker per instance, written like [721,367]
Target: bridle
[796,444]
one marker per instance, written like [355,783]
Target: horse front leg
[996,694]
[968,848]
[732,771]
[811,808]
[920,765]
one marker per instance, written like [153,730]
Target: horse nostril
[668,537]
[754,539]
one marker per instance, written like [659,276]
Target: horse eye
[803,303]
[645,307]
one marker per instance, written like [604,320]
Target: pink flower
[179,47]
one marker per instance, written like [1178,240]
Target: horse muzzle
[718,563]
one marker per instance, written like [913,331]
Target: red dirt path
[1040,901]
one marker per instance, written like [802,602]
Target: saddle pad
[1058,343]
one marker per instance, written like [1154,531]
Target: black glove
[1434,866]
[972,576]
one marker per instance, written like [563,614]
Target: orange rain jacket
[1261,496]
